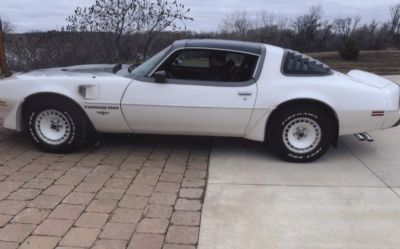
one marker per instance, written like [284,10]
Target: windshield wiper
[116,68]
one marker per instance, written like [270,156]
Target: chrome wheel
[302,135]
[52,127]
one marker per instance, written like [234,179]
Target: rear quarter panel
[353,102]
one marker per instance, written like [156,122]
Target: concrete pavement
[350,198]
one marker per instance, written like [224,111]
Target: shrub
[350,50]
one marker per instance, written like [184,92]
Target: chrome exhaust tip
[360,137]
[364,137]
[368,137]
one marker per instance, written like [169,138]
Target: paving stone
[22,176]
[110,193]
[119,183]
[191,193]
[151,171]
[24,194]
[124,173]
[188,205]
[140,190]
[163,198]
[176,246]
[186,218]
[159,211]
[146,241]
[153,225]
[146,180]
[31,216]
[171,177]
[117,231]
[12,207]
[4,219]
[155,163]
[126,215]
[50,174]
[182,235]
[16,232]
[191,173]
[110,244]
[193,183]
[96,179]
[80,237]
[78,198]
[71,180]
[102,206]
[174,169]
[92,220]
[131,165]
[168,187]
[60,166]
[67,211]
[8,245]
[79,171]
[40,242]
[38,183]
[53,227]
[34,168]
[89,187]
[46,201]
[61,190]
[135,202]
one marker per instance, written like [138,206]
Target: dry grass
[386,62]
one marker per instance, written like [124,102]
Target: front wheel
[55,127]
[301,133]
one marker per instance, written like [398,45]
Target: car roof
[240,46]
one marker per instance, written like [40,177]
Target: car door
[192,100]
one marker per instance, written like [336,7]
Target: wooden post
[3,63]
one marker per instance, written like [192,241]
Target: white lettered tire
[301,133]
[56,127]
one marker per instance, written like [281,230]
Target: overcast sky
[29,15]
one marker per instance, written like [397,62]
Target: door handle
[245,93]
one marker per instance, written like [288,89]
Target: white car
[294,103]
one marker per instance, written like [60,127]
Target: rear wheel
[301,133]
[55,127]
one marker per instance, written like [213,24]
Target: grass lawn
[386,62]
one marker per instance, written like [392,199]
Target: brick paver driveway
[142,192]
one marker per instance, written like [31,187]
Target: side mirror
[160,77]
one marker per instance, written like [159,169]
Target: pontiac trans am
[297,105]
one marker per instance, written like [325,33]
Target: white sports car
[294,103]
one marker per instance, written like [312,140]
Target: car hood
[95,70]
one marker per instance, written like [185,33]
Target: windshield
[145,68]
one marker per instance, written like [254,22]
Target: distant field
[385,62]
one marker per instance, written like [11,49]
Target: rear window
[299,64]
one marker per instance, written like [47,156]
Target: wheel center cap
[56,125]
[300,133]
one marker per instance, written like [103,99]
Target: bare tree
[395,20]
[160,16]
[128,17]
[310,30]
[238,23]
[346,27]
[8,27]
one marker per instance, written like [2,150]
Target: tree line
[129,31]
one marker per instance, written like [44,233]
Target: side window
[209,65]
